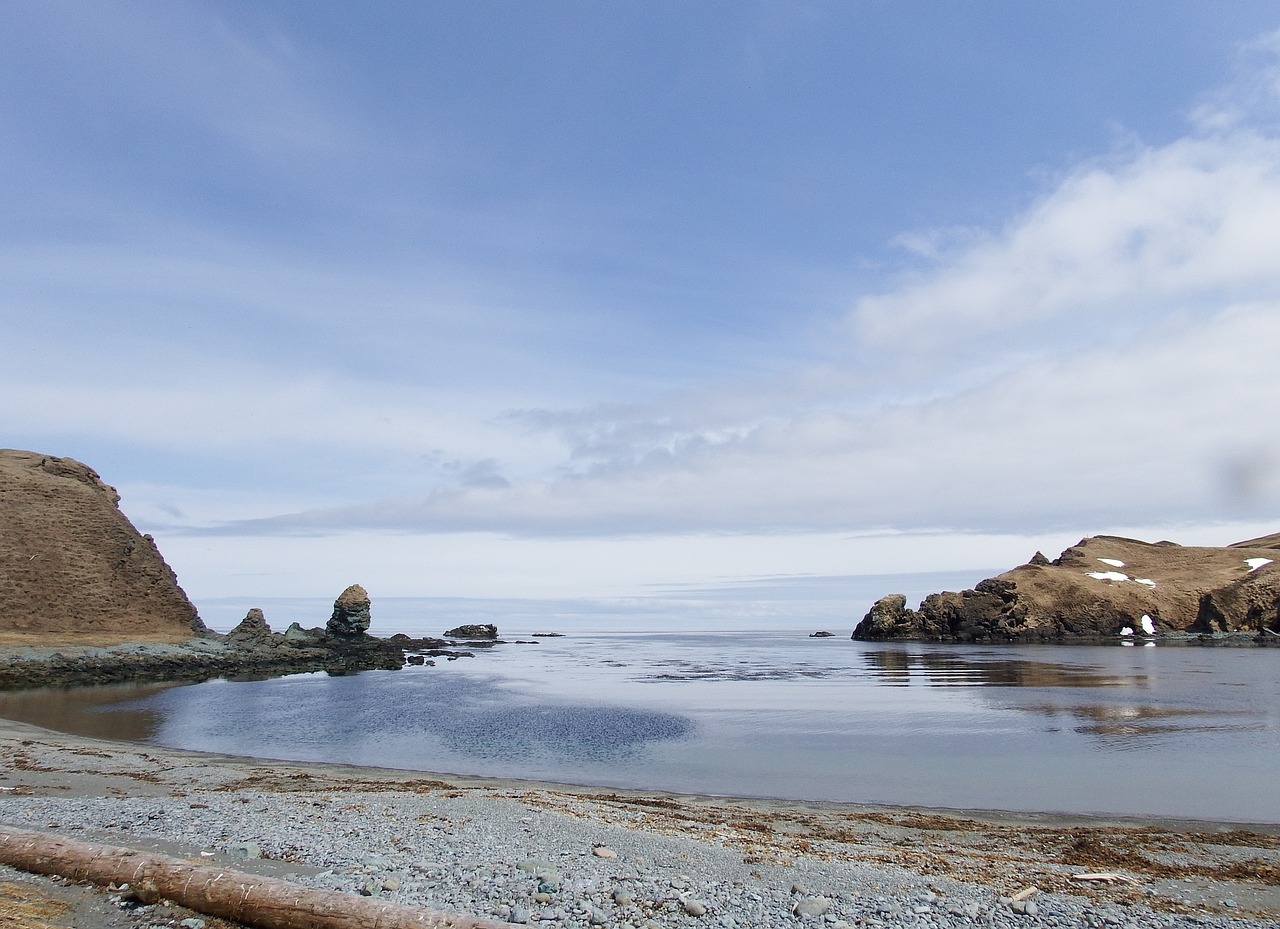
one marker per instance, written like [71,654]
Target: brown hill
[73,569]
[1099,588]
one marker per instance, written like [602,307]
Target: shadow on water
[582,732]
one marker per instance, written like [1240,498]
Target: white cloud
[1180,229]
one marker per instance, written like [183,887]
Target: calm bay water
[1177,732]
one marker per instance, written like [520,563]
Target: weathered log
[255,901]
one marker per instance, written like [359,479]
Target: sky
[582,299]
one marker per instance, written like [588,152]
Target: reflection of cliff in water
[904,667]
[88,711]
[1117,716]
[1117,724]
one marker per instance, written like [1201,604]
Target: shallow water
[1179,732]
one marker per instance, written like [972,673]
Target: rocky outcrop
[1103,588]
[473,631]
[352,613]
[73,568]
[253,631]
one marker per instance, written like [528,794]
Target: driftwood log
[255,901]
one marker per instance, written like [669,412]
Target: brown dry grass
[63,640]
[27,908]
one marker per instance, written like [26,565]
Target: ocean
[637,697]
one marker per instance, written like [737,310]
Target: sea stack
[351,613]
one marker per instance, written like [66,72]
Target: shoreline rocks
[1104,588]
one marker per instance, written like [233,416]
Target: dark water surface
[1179,732]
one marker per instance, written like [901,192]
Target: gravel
[514,858]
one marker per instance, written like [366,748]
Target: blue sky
[571,299]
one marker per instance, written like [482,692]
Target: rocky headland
[86,599]
[72,566]
[1105,588]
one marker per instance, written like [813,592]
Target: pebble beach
[557,856]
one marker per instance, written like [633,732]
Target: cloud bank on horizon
[287,273]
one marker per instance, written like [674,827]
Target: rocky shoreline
[575,858]
[1105,589]
[251,649]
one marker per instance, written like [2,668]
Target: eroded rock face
[351,613]
[1098,589]
[72,567]
[253,631]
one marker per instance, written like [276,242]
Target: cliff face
[1097,589]
[73,568]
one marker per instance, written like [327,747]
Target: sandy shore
[869,863]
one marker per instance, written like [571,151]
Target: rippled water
[1180,732]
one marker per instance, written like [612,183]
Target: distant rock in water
[473,631]
[821,635]
[72,566]
[1097,589]
[351,613]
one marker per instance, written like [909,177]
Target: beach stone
[520,914]
[535,865]
[623,898]
[244,850]
[812,907]
[693,907]
[351,613]
[1024,907]
[602,851]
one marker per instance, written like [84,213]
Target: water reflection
[1125,726]
[89,711]
[903,667]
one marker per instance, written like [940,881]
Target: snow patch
[1147,625]
[1114,562]
[1145,581]
[1108,575]
[1256,563]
